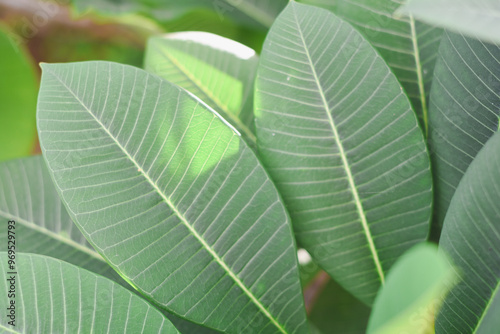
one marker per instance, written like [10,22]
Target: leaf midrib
[359,205]
[49,233]
[253,11]
[420,77]
[179,214]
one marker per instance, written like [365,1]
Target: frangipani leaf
[475,18]
[170,196]
[52,296]
[217,70]
[409,47]
[471,237]
[18,89]
[465,106]
[43,226]
[338,135]
[414,291]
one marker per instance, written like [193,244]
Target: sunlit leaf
[219,71]
[170,196]
[338,135]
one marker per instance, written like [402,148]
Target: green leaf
[413,293]
[52,296]
[471,237]
[219,71]
[18,90]
[171,196]
[474,18]
[409,47]
[43,226]
[337,311]
[339,137]
[465,106]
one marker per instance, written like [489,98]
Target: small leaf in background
[474,18]
[409,47]
[471,237]
[464,111]
[343,145]
[413,293]
[171,197]
[217,70]
[18,91]
[57,297]
[44,227]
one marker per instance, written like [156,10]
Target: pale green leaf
[471,237]
[338,135]
[217,70]
[18,89]
[170,196]
[52,296]
[416,286]
[475,18]
[409,47]
[465,106]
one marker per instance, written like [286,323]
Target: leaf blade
[310,152]
[167,167]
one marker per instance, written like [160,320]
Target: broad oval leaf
[339,137]
[43,226]
[52,296]
[409,47]
[171,196]
[475,18]
[414,292]
[18,89]
[217,70]
[471,237]
[465,107]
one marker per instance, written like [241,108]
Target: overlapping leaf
[52,296]
[471,237]
[18,90]
[465,106]
[343,145]
[475,18]
[171,196]
[413,294]
[43,226]
[219,71]
[409,47]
